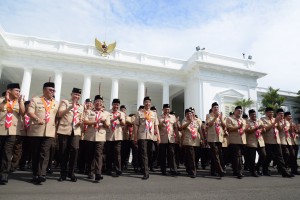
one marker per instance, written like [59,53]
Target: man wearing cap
[146,123]
[168,136]
[114,139]
[273,143]
[294,134]
[98,124]
[288,152]
[255,143]
[215,136]
[70,113]
[236,128]
[191,139]
[42,112]
[11,111]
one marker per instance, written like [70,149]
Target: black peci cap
[251,111]
[49,84]
[268,109]
[76,90]
[88,100]
[214,104]
[166,106]
[123,106]
[98,97]
[147,98]
[116,101]
[13,85]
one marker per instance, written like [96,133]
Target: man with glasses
[42,112]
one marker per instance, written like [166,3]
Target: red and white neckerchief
[217,127]
[193,130]
[286,131]
[75,115]
[26,123]
[98,125]
[257,132]
[167,122]
[241,130]
[114,123]
[130,130]
[293,134]
[48,104]
[275,132]
[9,114]
[148,127]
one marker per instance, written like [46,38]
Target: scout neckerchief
[257,132]
[148,116]
[217,126]
[241,130]
[75,115]
[98,124]
[193,130]
[168,125]
[114,123]
[275,130]
[48,104]
[293,134]
[285,129]
[9,107]
[26,124]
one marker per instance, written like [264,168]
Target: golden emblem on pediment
[103,48]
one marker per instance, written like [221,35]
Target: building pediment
[230,93]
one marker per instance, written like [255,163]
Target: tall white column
[25,89]
[58,81]
[114,89]
[86,89]
[1,67]
[141,93]
[166,94]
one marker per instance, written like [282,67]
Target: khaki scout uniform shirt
[93,134]
[252,140]
[47,129]
[128,128]
[65,125]
[212,135]
[16,124]
[285,139]
[294,135]
[166,137]
[187,134]
[115,132]
[144,133]
[234,136]
[269,136]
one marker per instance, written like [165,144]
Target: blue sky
[268,30]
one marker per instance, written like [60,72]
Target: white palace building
[202,79]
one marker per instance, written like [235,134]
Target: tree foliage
[271,99]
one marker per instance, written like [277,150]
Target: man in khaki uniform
[155,150]
[98,123]
[70,113]
[255,143]
[42,112]
[288,152]
[168,136]
[11,111]
[191,139]
[215,136]
[114,139]
[146,123]
[272,142]
[236,128]
[294,134]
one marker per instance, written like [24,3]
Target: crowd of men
[92,140]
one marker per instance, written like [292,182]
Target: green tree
[271,99]
[245,103]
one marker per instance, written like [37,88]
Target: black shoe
[175,173]
[221,174]
[119,173]
[213,174]
[49,171]
[145,177]
[40,179]
[4,178]
[193,176]
[62,178]
[254,174]
[90,176]
[240,176]
[98,177]
[164,172]
[73,178]
[259,172]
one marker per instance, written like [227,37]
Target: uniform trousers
[17,151]
[288,154]
[274,153]
[190,161]
[40,148]
[145,154]
[68,151]
[113,155]
[6,150]
[95,156]
[216,157]
[167,151]
[252,155]
[236,152]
